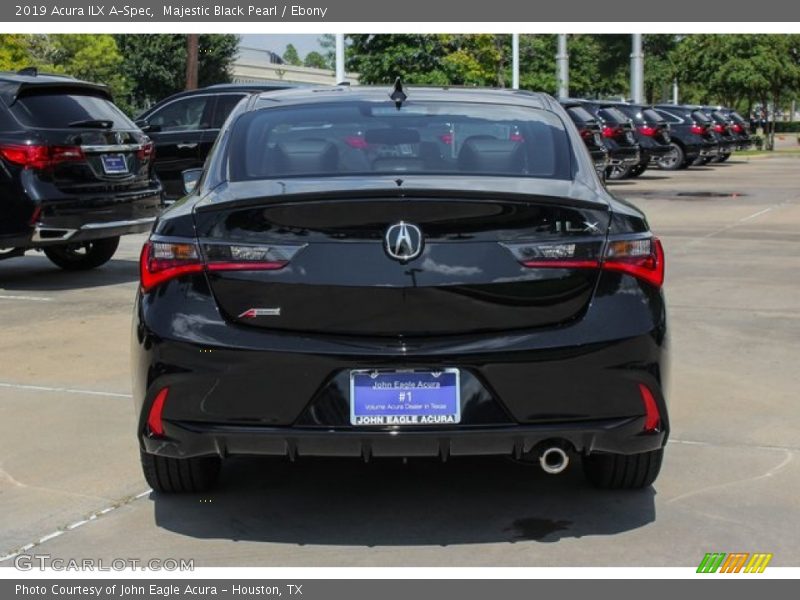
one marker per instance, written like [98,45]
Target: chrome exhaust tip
[553,460]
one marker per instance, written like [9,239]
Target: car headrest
[479,154]
[305,156]
[392,136]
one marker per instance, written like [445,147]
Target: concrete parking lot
[71,486]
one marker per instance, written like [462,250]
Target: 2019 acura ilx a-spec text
[421,273]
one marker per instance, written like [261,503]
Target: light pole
[340,58]
[562,60]
[637,68]
[515,61]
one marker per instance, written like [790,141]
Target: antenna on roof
[30,71]
[398,95]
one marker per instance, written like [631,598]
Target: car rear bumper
[44,235]
[233,389]
[624,155]
[620,436]
[78,219]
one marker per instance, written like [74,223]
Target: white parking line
[31,298]
[58,532]
[43,388]
[754,215]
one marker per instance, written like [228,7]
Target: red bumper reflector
[652,418]
[154,422]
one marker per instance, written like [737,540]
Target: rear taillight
[225,257]
[642,258]
[586,134]
[516,137]
[33,156]
[568,255]
[161,261]
[446,138]
[609,132]
[652,417]
[648,131]
[147,151]
[155,423]
[738,128]
[356,141]
[719,128]
[698,129]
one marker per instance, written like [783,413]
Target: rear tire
[623,471]
[82,256]
[618,172]
[180,475]
[723,157]
[674,160]
[637,170]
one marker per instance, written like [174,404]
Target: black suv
[618,136]
[731,127]
[740,126]
[591,132]
[75,172]
[184,127]
[692,136]
[652,133]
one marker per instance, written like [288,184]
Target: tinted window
[225,104]
[669,116]
[701,117]
[181,115]
[580,114]
[612,115]
[652,116]
[53,110]
[370,137]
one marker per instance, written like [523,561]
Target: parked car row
[624,138]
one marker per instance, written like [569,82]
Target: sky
[304,43]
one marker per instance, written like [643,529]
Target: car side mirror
[146,127]
[190,179]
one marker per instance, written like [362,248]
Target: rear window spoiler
[10,92]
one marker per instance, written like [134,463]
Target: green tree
[93,57]
[14,52]
[159,63]
[740,69]
[327,42]
[315,60]
[538,65]
[291,57]
[416,58]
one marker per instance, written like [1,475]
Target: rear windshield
[343,138]
[652,116]
[56,111]
[613,115]
[701,117]
[580,114]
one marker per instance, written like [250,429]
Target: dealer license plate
[114,164]
[405,397]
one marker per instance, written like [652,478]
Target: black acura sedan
[361,272]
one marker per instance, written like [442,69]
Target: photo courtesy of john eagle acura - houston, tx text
[404,272]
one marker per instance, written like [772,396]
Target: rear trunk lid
[88,146]
[342,279]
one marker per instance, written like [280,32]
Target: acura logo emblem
[403,241]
